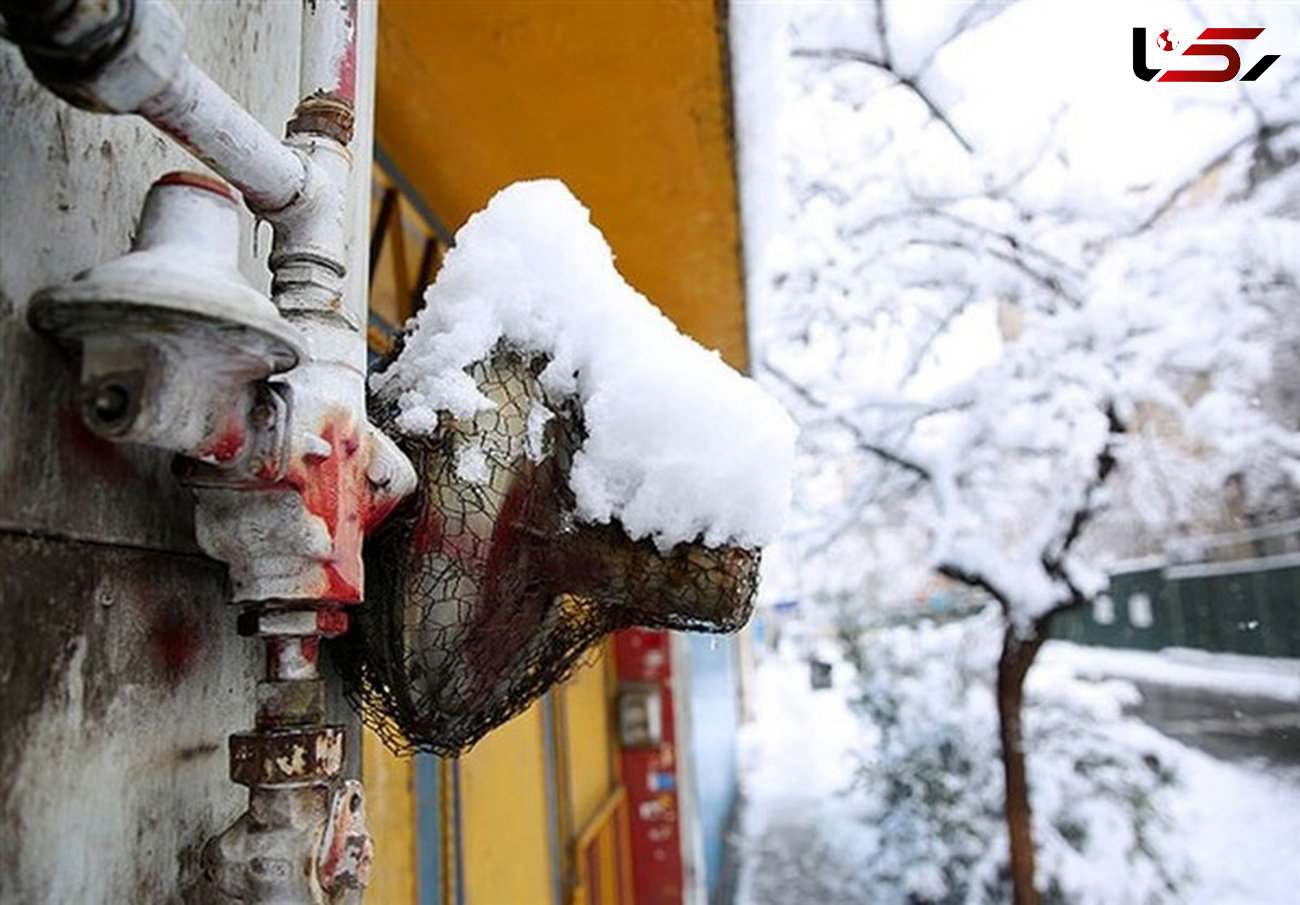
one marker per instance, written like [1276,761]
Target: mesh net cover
[483,590]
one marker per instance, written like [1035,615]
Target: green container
[1246,607]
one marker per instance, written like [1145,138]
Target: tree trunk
[1017,656]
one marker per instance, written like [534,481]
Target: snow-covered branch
[886,65]
[1055,384]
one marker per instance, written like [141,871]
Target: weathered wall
[120,673]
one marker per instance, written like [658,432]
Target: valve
[175,344]
[279,851]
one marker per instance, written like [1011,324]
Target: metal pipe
[293,547]
[343,476]
[291,659]
[125,56]
[328,64]
[214,127]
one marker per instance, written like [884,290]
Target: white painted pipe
[215,128]
[92,55]
[328,64]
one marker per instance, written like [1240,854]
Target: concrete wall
[120,672]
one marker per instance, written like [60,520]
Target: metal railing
[407,244]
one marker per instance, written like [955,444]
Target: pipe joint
[80,48]
[304,845]
[310,250]
[108,63]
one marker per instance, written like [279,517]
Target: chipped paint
[346,853]
[334,490]
[286,756]
[131,758]
[293,765]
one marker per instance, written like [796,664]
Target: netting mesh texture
[482,590]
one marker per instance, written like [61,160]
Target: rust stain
[176,642]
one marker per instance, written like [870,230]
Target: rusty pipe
[293,544]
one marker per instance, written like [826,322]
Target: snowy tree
[992,326]
[1103,781]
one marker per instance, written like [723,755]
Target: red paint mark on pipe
[331,622]
[334,489]
[227,444]
[346,854]
[199,181]
[347,74]
[377,511]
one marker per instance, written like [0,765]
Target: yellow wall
[390,816]
[628,103]
[503,816]
[625,101]
[589,733]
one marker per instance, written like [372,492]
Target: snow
[807,834]
[1027,349]
[1241,824]
[801,834]
[678,445]
[538,417]
[1266,677]
[1007,318]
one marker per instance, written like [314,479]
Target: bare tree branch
[865,443]
[882,34]
[849,55]
[1259,136]
[976,580]
[1016,244]
[1105,465]
[1047,280]
[972,17]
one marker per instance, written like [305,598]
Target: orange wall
[625,101]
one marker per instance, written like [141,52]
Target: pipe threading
[323,114]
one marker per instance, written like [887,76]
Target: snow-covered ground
[797,763]
[803,839]
[1268,677]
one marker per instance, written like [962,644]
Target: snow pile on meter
[678,446]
